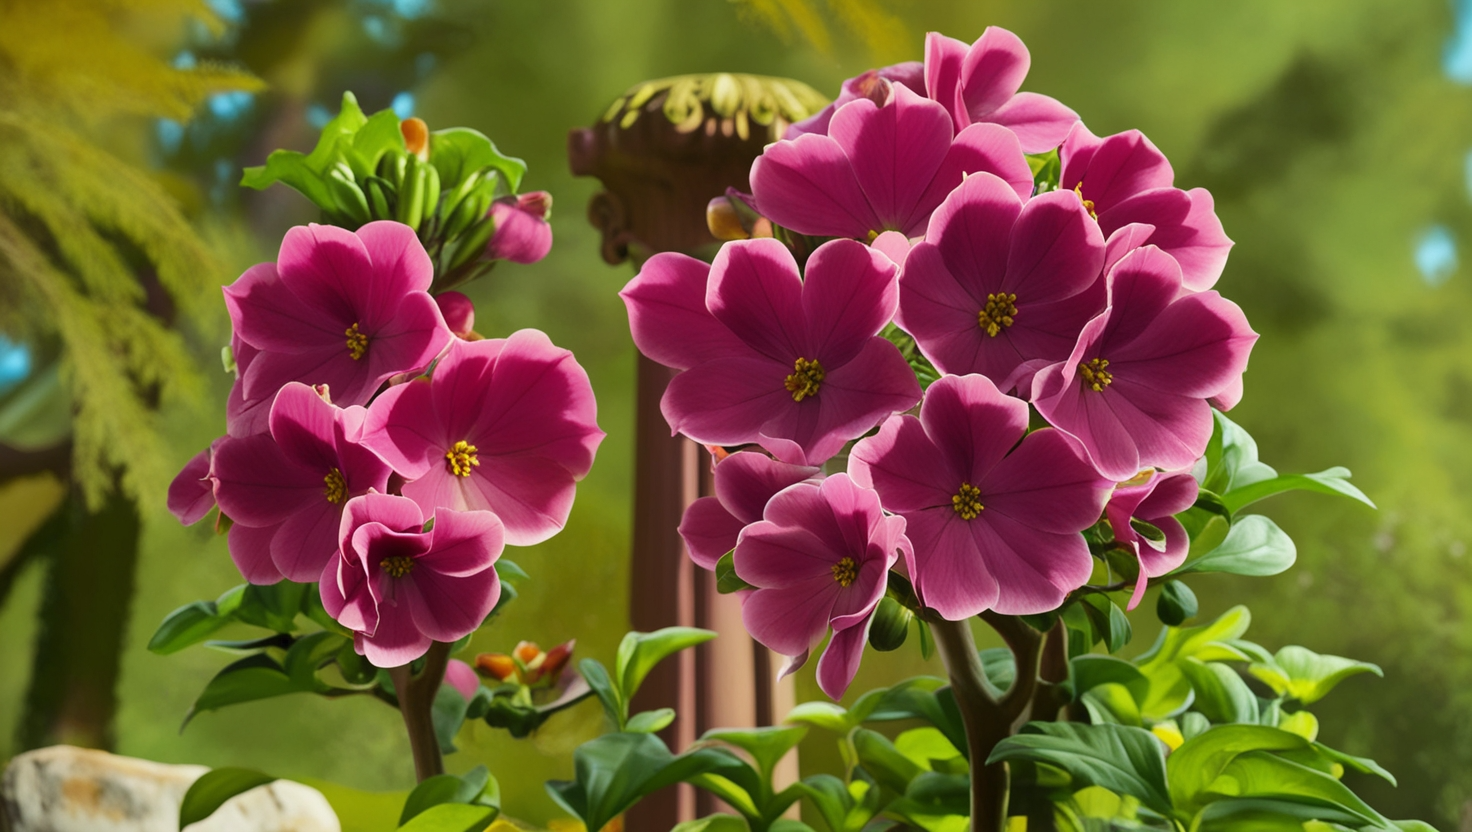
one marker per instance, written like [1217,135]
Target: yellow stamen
[1078,191]
[999,312]
[397,566]
[357,342]
[845,571]
[967,501]
[460,458]
[1094,375]
[337,487]
[806,379]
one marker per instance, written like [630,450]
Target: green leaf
[308,174]
[596,676]
[1266,815]
[789,825]
[1122,759]
[1091,670]
[251,678]
[1169,688]
[650,722]
[926,747]
[1112,703]
[1109,621]
[712,823]
[1333,481]
[767,746]
[831,797]
[1260,774]
[188,625]
[448,712]
[508,570]
[881,759]
[476,787]
[1254,546]
[213,788]
[935,803]
[727,581]
[1000,669]
[924,697]
[1221,695]
[1176,604]
[1194,766]
[274,607]
[821,714]
[380,134]
[640,652]
[459,152]
[614,771]
[308,654]
[1363,765]
[450,817]
[1046,169]
[1302,674]
[1237,465]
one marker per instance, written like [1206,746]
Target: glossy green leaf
[308,173]
[1267,815]
[1302,674]
[448,712]
[1109,621]
[1221,695]
[476,786]
[789,825]
[1232,458]
[310,653]
[188,625]
[834,802]
[1176,604]
[767,746]
[1260,774]
[821,714]
[640,652]
[1254,546]
[650,722]
[596,676]
[727,581]
[1194,766]
[1112,703]
[451,817]
[881,759]
[274,607]
[615,770]
[1091,670]
[712,823]
[1363,765]
[1333,481]
[926,747]
[213,788]
[459,152]
[1122,759]
[251,678]
[1169,688]
[935,803]
[1000,668]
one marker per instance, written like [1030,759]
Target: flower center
[998,314]
[845,571]
[806,379]
[1094,375]
[967,501]
[460,458]
[397,566]
[357,342]
[1078,191]
[337,487]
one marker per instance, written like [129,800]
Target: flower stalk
[416,692]
[982,716]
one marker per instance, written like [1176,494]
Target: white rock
[65,789]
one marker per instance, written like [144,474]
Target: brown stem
[416,704]
[1026,645]
[982,716]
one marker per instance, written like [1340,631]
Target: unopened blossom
[340,308]
[527,664]
[400,588]
[1134,390]
[792,363]
[462,678]
[1153,498]
[744,482]
[285,490]
[505,424]
[458,312]
[999,282]
[979,83]
[522,233]
[820,558]
[1123,179]
[995,522]
[873,84]
[880,168]
[192,493]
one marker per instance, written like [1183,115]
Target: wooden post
[662,151]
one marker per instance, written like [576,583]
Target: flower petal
[992,71]
[849,294]
[667,314]
[809,186]
[746,481]
[895,150]
[755,291]
[250,549]
[972,424]
[709,531]
[1041,123]
[192,494]
[903,464]
[464,543]
[840,661]
[1035,570]
[256,485]
[400,267]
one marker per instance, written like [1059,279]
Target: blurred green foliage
[1326,131]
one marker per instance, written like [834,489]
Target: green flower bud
[891,625]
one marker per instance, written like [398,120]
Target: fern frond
[884,35]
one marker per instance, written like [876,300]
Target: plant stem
[416,704]
[985,721]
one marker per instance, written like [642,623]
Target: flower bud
[722,220]
[458,311]
[527,652]
[498,666]
[557,659]
[891,625]
[522,233]
[461,677]
[416,137]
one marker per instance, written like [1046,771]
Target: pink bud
[522,233]
[458,311]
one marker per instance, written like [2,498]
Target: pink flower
[458,312]
[340,308]
[244,417]
[995,523]
[1123,179]
[522,234]
[399,588]
[979,83]
[508,425]
[769,357]
[820,558]
[462,677]
[998,282]
[286,489]
[873,85]
[879,168]
[192,493]
[1134,391]
[744,482]
[1154,498]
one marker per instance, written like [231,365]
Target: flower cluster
[377,445]
[1040,272]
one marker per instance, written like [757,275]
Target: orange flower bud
[498,666]
[416,137]
[527,652]
[722,220]
[558,657]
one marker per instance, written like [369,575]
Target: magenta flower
[399,588]
[1155,499]
[979,83]
[880,168]
[820,557]
[769,357]
[458,312]
[508,425]
[286,489]
[994,526]
[461,676]
[244,417]
[522,234]
[744,483]
[998,282]
[340,308]
[192,493]
[1134,391]
[873,85]
[1124,179]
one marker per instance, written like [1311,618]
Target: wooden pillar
[662,151]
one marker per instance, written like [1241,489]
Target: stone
[66,789]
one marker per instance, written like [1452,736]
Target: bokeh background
[1336,136]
